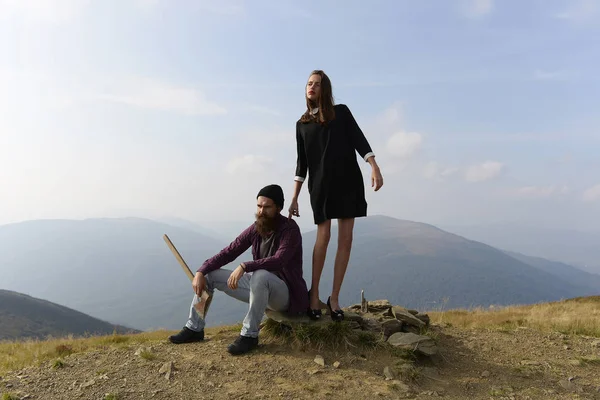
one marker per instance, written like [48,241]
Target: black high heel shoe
[337,315]
[315,315]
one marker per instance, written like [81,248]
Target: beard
[265,225]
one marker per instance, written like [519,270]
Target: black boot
[187,335]
[242,344]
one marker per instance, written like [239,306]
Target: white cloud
[391,116]
[42,11]
[248,164]
[483,172]
[152,94]
[580,10]
[540,191]
[478,8]
[592,194]
[404,144]
[433,170]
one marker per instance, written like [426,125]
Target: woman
[327,139]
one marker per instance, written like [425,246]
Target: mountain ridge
[27,317]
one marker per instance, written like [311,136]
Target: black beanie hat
[274,192]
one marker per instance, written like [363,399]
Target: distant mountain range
[121,271]
[23,316]
[118,270]
[421,266]
[576,248]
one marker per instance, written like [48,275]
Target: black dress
[328,154]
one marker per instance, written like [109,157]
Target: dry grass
[580,316]
[318,336]
[15,355]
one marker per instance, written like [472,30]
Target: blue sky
[479,111]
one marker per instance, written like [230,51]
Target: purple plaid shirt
[286,261]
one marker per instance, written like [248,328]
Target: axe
[205,299]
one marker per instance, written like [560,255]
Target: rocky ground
[470,364]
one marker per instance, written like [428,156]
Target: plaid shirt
[286,261]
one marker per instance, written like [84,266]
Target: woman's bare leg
[318,260]
[345,233]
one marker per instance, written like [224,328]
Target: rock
[320,360]
[87,384]
[352,316]
[286,319]
[568,385]
[485,374]
[401,386]
[410,341]
[411,329]
[370,324]
[336,364]
[424,317]
[391,326]
[403,315]
[167,369]
[379,305]
[142,349]
[388,374]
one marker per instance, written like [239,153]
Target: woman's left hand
[376,178]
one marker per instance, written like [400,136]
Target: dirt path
[474,364]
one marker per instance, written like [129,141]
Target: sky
[478,111]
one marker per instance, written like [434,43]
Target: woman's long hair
[325,102]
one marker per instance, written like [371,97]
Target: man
[273,279]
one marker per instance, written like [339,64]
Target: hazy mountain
[121,271]
[566,272]
[419,265]
[577,248]
[22,316]
[118,270]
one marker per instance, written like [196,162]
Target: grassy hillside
[23,317]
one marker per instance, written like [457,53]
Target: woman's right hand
[293,210]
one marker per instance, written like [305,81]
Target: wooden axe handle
[184,266]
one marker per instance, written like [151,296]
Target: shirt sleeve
[289,243]
[301,163]
[229,253]
[359,141]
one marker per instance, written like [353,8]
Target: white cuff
[369,155]
[299,178]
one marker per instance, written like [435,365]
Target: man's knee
[260,279]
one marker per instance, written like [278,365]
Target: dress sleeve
[359,141]
[301,164]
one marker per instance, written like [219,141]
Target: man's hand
[235,276]
[199,283]
[376,178]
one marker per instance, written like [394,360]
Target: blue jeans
[261,289]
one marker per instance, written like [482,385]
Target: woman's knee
[324,232]
[345,234]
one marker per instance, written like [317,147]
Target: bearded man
[272,280]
